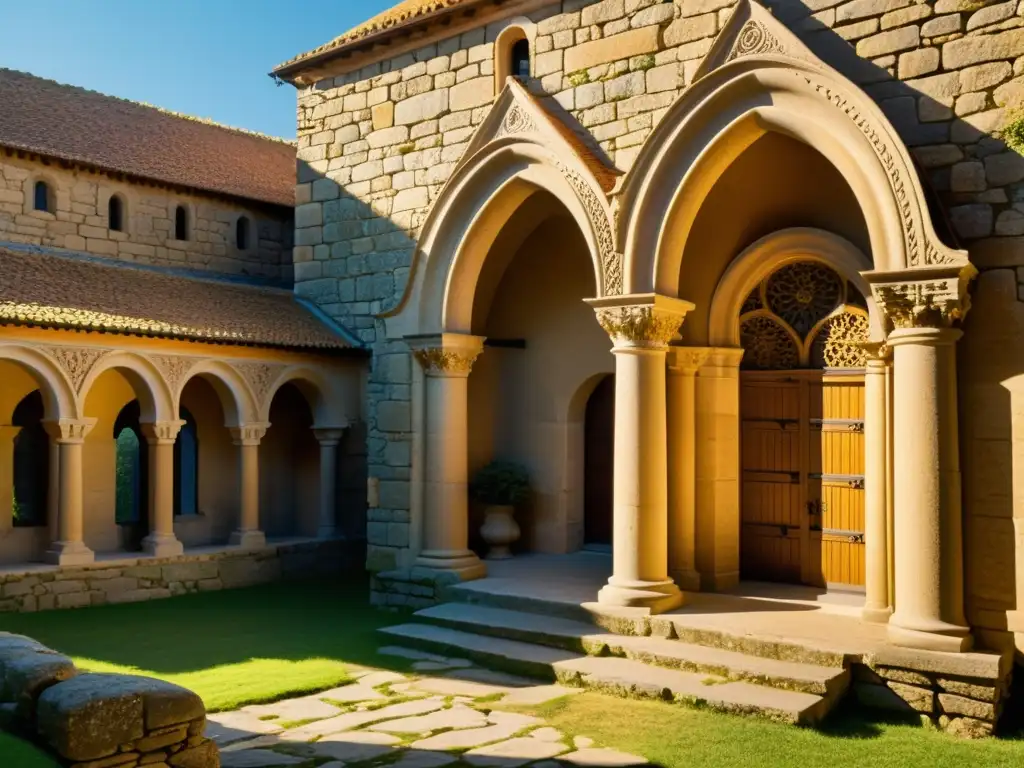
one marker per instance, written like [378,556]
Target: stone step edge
[610,644]
[466,594]
[516,660]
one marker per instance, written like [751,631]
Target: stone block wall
[42,588]
[376,145]
[79,222]
[99,720]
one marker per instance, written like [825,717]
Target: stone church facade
[797,227]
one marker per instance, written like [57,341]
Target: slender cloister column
[329,438]
[160,436]
[7,435]
[69,548]
[929,571]
[683,363]
[876,476]
[447,361]
[247,437]
[640,327]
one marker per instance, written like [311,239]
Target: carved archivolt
[76,362]
[803,315]
[611,260]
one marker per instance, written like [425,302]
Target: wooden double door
[802,464]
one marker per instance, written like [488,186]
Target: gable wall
[79,222]
[376,146]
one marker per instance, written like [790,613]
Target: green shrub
[501,483]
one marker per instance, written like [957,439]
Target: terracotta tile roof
[43,288]
[71,123]
[405,12]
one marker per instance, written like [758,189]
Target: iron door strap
[854,537]
[839,425]
[851,481]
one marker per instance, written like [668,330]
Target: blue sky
[203,57]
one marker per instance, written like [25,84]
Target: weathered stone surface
[602,758]
[456,717]
[27,673]
[514,752]
[633,43]
[952,704]
[230,727]
[257,758]
[467,739]
[355,747]
[969,728]
[304,708]
[975,50]
[204,755]
[920,699]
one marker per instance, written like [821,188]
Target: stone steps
[580,637]
[621,676]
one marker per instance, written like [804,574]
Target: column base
[69,553]
[944,637]
[465,563]
[876,615]
[162,545]
[720,582]
[688,581]
[248,539]
[655,596]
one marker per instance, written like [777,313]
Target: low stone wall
[413,588]
[96,720]
[134,579]
[960,693]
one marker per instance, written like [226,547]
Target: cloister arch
[324,396]
[744,90]
[58,394]
[235,398]
[150,386]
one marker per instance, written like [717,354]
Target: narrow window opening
[115,214]
[186,467]
[180,223]
[31,462]
[242,233]
[42,197]
[521,59]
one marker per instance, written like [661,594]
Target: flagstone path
[451,717]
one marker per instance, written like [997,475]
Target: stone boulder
[90,716]
[27,668]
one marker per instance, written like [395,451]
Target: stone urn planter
[500,486]
[499,530]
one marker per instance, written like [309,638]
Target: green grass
[20,754]
[675,736]
[233,648]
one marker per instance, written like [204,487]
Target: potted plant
[500,486]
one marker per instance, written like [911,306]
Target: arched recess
[774,251]
[775,85]
[59,399]
[324,395]
[235,398]
[468,216]
[151,388]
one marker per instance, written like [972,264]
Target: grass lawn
[232,647]
[680,737]
[20,754]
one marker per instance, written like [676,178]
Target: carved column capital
[923,298]
[640,320]
[447,354]
[69,431]
[249,434]
[162,432]
[328,436]
[687,360]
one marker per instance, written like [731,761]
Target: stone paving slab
[467,739]
[514,752]
[602,758]
[257,758]
[458,717]
[538,694]
[417,758]
[227,727]
[352,693]
[356,746]
[303,708]
[352,720]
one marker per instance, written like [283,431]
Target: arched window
[520,68]
[186,467]
[115,213]
[43,197]
[131,476]
[31,462]
[242,233]
[180,223]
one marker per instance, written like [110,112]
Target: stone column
[447,361]
[929,611]
[683,363]
[876,524]
[640,327]
[160,436]
[328,439]
[7,435]
[69,548]
[247,437]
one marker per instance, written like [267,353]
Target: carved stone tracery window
[803,315]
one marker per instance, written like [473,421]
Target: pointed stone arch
[758,77]
[520,149]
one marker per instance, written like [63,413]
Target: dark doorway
[599,464]
[132,478]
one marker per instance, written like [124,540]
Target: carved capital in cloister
[450,354]
[930,299]
[642,321]
[162,432]
[687,359]
[249,434]
[69,430]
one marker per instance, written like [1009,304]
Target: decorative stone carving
[611,260]
[768,345]
[175,368]
[437,361]
[69,430]
[76,362]
[801,294]
[754,40]
[259,377]
[839,342]
[249,434]
[934,303]
[688,359]
[516,120]
[162,431]
[640,325]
